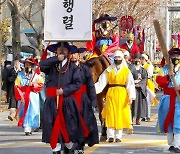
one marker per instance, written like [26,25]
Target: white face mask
[8,65]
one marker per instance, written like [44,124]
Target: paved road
[143,140]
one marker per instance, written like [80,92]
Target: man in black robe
[88,99]
[139,106]
[4,72]
[61,118]
[9,81]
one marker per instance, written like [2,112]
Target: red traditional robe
[131,50]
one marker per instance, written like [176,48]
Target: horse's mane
[104,61]
[91,62]
[101,59]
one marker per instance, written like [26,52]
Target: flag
[178,40]
[44,55]
[135,32]
[174,40]
[141,47]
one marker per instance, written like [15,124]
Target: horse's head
[96,67]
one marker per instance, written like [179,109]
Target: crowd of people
[58,94]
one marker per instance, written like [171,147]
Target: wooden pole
[59,76]
[164,51]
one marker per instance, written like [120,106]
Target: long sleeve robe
[117,112]
[70,83]
[139,106]
[30,111]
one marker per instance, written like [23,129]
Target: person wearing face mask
[139,106]
[62,126]
[27,86]
[151,96]
[130,45]
[121,93]
[169,107]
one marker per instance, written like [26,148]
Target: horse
[97,65]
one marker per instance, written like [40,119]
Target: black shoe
[10,118]
[57,152]
[36,130]
[78,152]
[28,133]
[171,148]
[68,151]
[138,122]
[103,138]
[110,140]
[118,140]
[143,119]
[148,119]
[176,150]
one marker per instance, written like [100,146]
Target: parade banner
[68,20]
[126,23]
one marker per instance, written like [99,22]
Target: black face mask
[128,41]
[117,62]
[136,62]
[175,61]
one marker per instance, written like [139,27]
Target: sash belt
[27,90]
[116,85]
[170,116]
[59,125]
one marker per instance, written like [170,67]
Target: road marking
[155,116]
[125,142]
[24,144]
[140,143]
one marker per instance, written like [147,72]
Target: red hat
[162,63]
[30,60]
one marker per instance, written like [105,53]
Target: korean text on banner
[68,20]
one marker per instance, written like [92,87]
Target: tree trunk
[39,41]
[16,42]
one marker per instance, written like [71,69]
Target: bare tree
[31,11]
[1,3]
[5,29]
[16,43]
[140,10]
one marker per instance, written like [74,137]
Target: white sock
[170,139]
[57,148]
[27,129]
[69,145]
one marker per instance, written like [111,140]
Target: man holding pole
[62,124]
[169,109]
